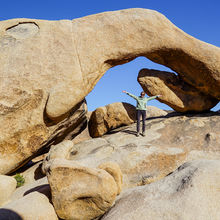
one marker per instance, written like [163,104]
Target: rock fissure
[23,30]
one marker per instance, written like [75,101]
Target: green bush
[20,179]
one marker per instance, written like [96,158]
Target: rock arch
[60,62]
[121,36]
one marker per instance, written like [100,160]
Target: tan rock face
[111,116]
[80,192]
[26,130]
[176,93]
[114,170]
[7,187]
[61,150]
[191,192]
[32,206]
[124,35]
[47,68]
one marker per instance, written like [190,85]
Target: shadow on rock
[38,174]
[44,189]
[8,214]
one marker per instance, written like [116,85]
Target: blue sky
[199,18]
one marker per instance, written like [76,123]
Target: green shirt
[142,102]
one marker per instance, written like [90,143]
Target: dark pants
[139,114]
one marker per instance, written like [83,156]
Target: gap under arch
[122,77]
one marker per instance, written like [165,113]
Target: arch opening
[122,77]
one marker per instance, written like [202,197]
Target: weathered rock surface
[118,37]
[7,187]
[46,69]
[109,117]
[61,150]
[191,192]
[169,142]
[25,131]
[176,93]
[32,206]
[114,170]
[80,192]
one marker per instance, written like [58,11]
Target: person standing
[141,108]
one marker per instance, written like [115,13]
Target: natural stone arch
[79,52]
[124,35]
[58,63]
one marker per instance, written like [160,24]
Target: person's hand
[159,96]
[124,91]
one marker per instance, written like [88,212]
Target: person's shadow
[129,132]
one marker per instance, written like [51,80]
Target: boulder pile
[84,180]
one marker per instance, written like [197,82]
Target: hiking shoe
[137,134]
[143,134]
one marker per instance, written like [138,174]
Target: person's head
[143,94]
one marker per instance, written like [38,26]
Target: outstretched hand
[124,91]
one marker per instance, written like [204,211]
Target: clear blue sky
[199,18]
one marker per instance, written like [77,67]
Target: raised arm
[153,97]
[133,96]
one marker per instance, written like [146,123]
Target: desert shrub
[20,179]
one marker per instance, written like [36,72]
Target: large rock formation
[80,192]
[118,37]
[176,93]
[47,68]
[191,192]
